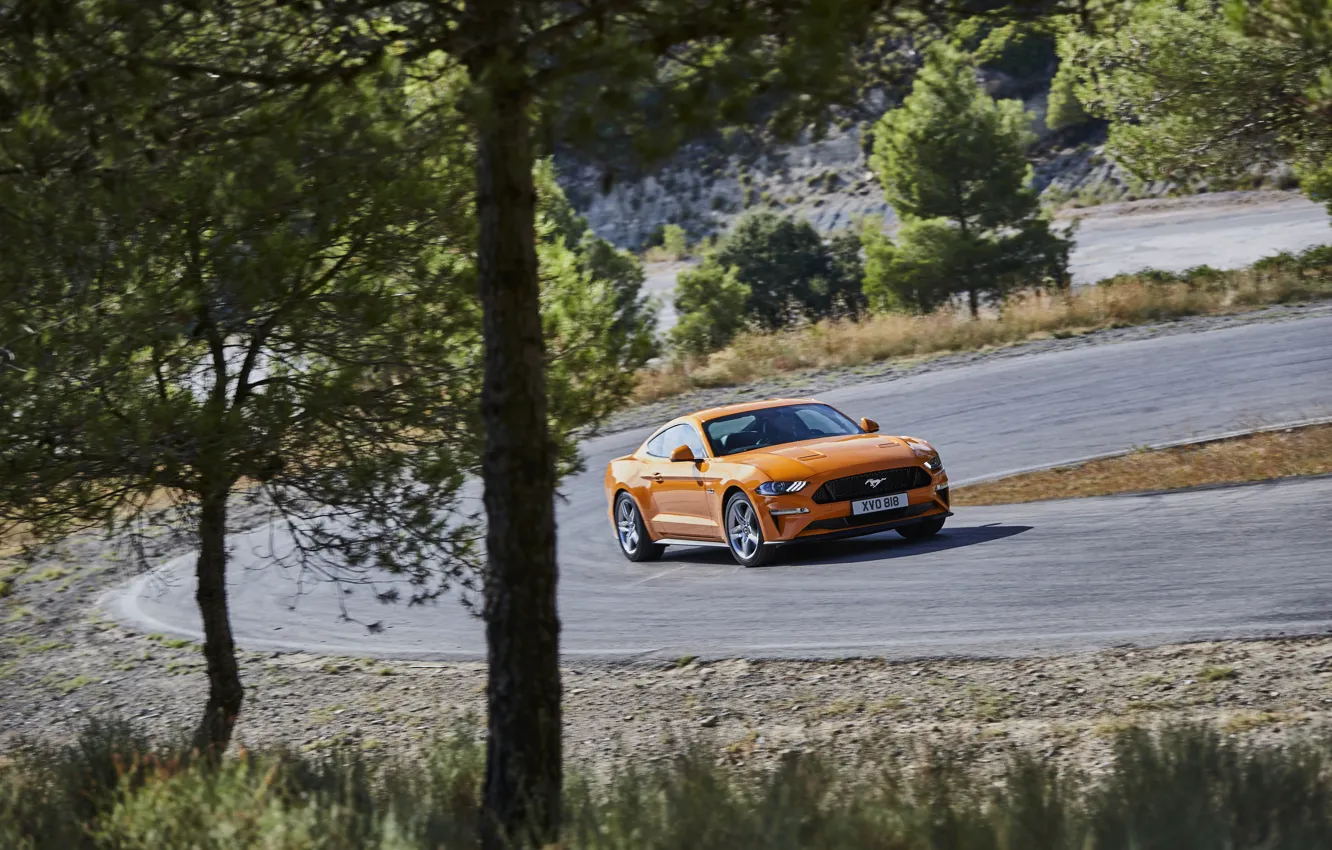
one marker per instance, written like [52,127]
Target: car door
[680,503]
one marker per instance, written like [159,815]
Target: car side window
[689,437]
[677,435]
[656,447]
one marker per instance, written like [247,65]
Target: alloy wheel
[743,529]
[626,526]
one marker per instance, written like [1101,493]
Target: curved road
[1242,561]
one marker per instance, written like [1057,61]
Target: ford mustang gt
[751,477]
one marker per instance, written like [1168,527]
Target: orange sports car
[753,476]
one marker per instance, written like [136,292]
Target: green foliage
[951,162]
[237,807]
[599,328]
[288,304]
[952,152]
[880,296]
[292,306]
[710,303]
[1185,788]
[846,273]
[790,271]
[1317,259]
[1193,94]
[1064,109]
[1021,48]
[675,241]
[629,101]
[923,268]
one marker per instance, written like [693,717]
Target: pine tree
[1194,94]
[280,304]
[537,73]
[952,166]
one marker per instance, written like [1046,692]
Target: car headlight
[780,488]
[933,463]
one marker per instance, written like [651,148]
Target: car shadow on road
[889,545]
[884,546]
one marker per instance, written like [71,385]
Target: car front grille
[858,487]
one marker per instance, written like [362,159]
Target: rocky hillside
[829,182]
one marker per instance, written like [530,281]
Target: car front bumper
[788,519]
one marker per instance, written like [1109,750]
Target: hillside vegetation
[1033,314]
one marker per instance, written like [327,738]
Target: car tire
[744,533]
[922,529]
[631,532]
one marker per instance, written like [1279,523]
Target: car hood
[795,461]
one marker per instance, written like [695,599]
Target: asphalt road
[1225,236]
[1242,561]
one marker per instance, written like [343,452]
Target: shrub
[786,264]
[710,303]
[675,241]
[1183,788]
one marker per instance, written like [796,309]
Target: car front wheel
[632,533]
[744,534]
[921,530]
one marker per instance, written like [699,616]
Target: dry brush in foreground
[1182,788]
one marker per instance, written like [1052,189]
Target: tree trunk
[973,295]
[523,751]
[225,692]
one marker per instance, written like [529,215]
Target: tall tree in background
[1193,94]
[952,164]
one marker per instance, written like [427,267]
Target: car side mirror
[682,453]
[869,426]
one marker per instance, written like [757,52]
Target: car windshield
[774,426]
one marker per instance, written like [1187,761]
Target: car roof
[729,409]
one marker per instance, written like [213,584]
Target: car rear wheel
[744,533]
[632,533]
[922,529]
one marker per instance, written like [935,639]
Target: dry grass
[1299,451]
[1121,302]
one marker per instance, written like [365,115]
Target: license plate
[878,503]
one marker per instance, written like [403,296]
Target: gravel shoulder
[60,664]
[813,382]
[1206,202]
